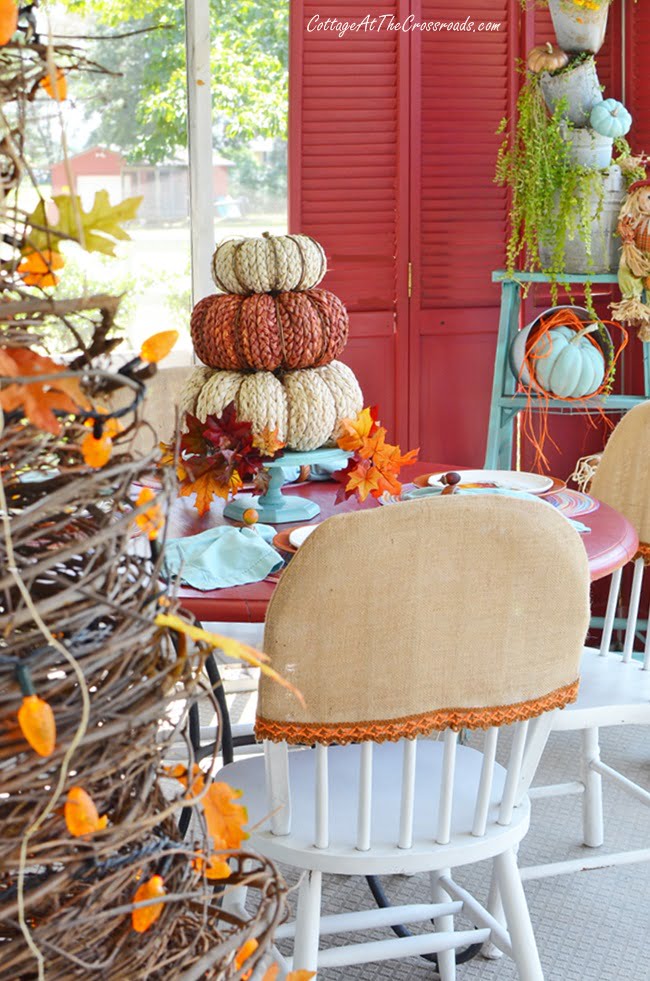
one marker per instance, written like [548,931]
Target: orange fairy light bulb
[146,916]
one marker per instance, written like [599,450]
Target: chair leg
[305,951]
[234,897]
[522,938]
[495,907]
[592,805]
[446,958]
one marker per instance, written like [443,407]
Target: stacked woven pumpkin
[269,340]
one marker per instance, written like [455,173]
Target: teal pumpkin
[610,118]
[566,363]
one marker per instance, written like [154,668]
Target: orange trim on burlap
[410,726]
[643,553]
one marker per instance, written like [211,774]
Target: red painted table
[611,543]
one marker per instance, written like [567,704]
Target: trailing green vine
[552,199]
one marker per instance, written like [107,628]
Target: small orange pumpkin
[546,58]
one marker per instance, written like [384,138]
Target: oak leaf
[97,230]
[38,399]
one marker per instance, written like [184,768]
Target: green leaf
[97,230]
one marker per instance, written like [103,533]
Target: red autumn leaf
[194,441]
[38,399]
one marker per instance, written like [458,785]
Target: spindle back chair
[399,625]
[615,686]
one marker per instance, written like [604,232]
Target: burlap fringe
[643,553]
[408,727]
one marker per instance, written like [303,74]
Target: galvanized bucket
[577,27]
[587,148]
[579,85]
[605,244]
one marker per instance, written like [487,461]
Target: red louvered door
[462,85]
[348,179]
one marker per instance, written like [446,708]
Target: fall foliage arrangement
[96,876]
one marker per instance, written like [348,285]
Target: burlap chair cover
[622,479]
[454,612]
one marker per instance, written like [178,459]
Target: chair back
[622,480]
[436,615]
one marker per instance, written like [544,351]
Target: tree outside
[141,112]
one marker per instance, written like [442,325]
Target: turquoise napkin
[223,556]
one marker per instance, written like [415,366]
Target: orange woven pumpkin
[265,332]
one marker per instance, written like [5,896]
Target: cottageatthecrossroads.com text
[388,22]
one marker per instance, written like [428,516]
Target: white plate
[532,483]
[299,536]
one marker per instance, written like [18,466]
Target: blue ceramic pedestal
[274,506]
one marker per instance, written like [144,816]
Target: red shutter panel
[464,85]
[346,130]
[637,75]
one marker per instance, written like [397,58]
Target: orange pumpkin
[264,332]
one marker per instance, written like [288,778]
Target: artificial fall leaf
[151,521]
[267,442]
[179,772]
[209,485]
[215,868]
[142,919]
[36,721]
[38,399]
[36,267]
[158,346]
[228,647]
[81,815]
[355,431]
[363,479]
[193,440]
[97,230]
[8,20]
[59,90]
[390,457]
[225,819]
[96,452]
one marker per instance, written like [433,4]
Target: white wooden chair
[397,623]
[614,687]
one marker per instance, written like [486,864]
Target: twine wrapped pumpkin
[305,407]
[267,333]
[270,264]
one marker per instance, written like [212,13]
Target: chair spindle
[514,773]
[365,798]
[276,762]
[409,749]
[322,836]
[443,833]
[633,613]
[610,614]
[485,784]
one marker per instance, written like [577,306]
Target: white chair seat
[611,693]
[384,857]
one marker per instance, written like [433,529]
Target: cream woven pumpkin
[306,407]
[270,264]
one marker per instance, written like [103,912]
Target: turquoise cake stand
[274,505]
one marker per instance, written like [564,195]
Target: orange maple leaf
[215,868]
[38,399]
[267,442]
[355,431]
[364,479]
[207,486]
[37,268]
